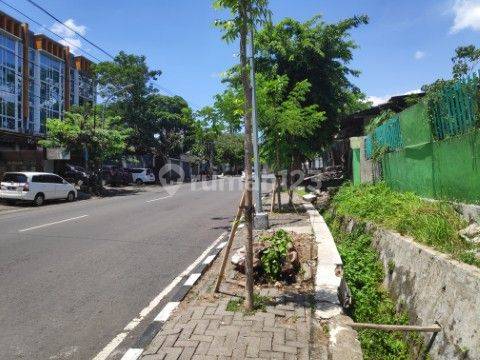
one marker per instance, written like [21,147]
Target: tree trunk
[278,179]
[289,185]
[243,12]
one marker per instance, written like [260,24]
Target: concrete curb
[329,284]
[179,293]
[328,278]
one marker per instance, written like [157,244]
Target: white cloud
[414,91]
[378,100]
[419,54]
[67,32]
[467,15]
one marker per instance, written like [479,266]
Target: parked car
[75,174]
[244,176]
[116,175]
[142,175]
[35,187]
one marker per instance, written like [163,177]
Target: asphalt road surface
[72,275]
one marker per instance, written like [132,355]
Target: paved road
[72,275]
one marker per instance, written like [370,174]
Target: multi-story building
[39,79]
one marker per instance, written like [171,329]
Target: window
[57,179]
[10,83]
[38,179]
[33,99]
[86,89]
[14,177]
[52,74]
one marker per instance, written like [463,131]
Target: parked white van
[142,175]
[36,187]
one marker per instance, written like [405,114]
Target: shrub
[364,275]
[274,256]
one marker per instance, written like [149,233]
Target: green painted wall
[456,167]
[445,169]
[356,166]
[410,169]
[414,125]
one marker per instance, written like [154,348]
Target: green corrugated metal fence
[435,156]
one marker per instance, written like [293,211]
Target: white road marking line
[132,354]
[160,198]
[209,259]
[222,245]
[112,345]
[52,223]
[107,350]
[192,279]
[166,311]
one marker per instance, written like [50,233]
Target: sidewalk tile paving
[202,328]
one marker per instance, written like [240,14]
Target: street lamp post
[261,218]
[256,156]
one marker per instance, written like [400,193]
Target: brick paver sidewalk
[202,328]
[206,330]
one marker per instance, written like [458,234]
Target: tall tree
[465,59]
[217,139]
[319,53]
[162,125]
[245,14]
[171,125]
[128,82]
[287,125]
[229,108]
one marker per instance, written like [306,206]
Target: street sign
[58,154]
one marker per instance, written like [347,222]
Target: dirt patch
[302,281]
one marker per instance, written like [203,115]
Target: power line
[165,90]
[52,32]
[68,27]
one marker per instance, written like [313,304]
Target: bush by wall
[364,275]
[435,224]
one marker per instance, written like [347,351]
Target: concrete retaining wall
[433,288]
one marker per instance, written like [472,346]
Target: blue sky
[407,43]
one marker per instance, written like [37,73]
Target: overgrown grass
[364,275]
[432,223]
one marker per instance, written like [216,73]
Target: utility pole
[256,156]
[243,10]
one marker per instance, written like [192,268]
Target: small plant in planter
[278,261]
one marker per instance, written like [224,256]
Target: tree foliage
[105,139]
[229,150]
[319,53]
[258,13]
[160,124]
[287,125]
[218,140]
[171,121]
[466,57]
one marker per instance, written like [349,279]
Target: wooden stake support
[274,191]
[236,222]
[435,329]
